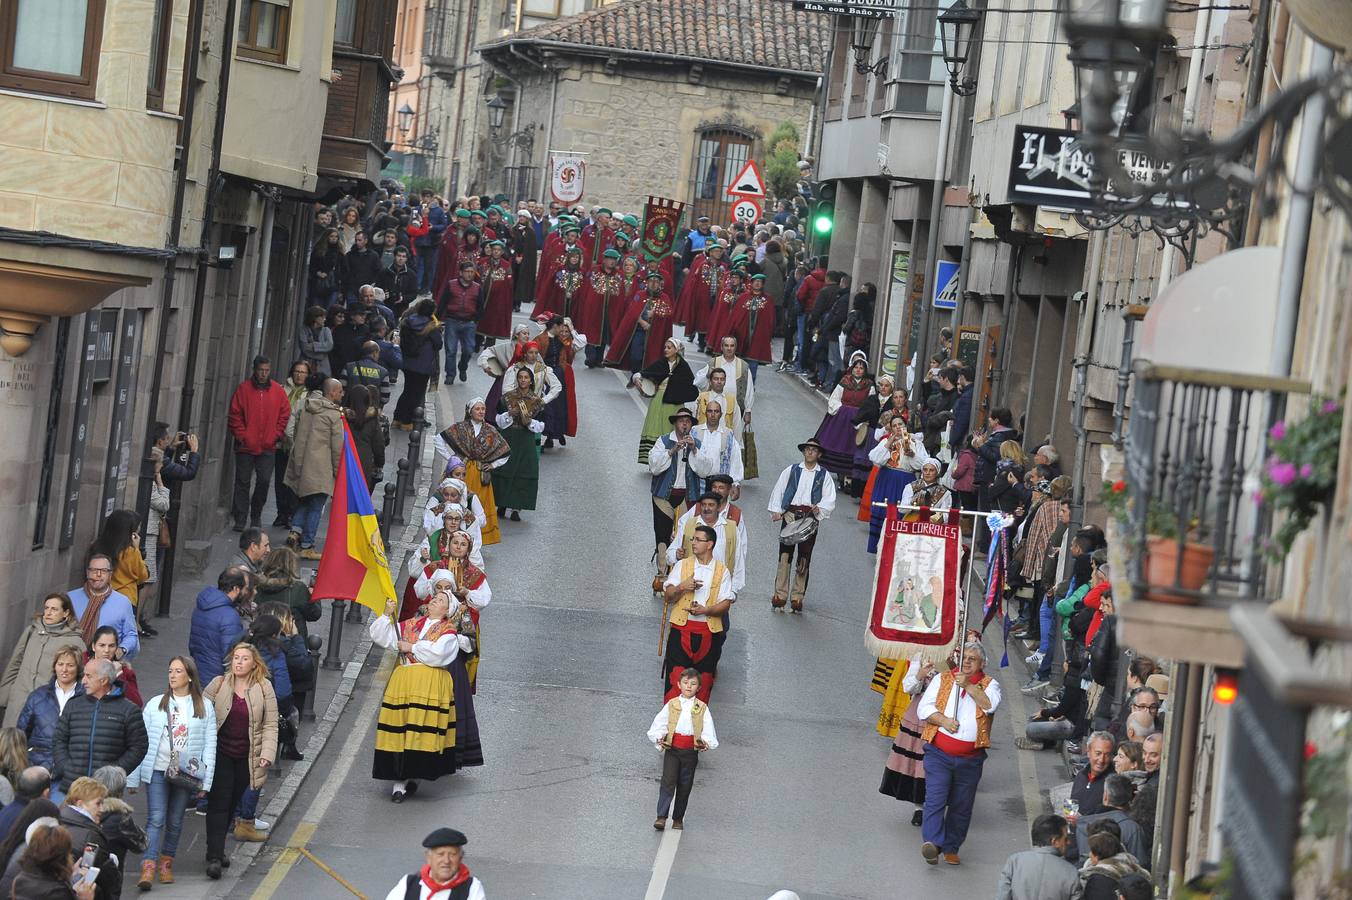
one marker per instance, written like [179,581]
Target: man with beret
[445,876]
[597,237]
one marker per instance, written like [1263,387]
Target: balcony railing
[1194,451]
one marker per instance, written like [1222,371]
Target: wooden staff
[662,628]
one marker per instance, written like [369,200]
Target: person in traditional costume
[595,238]
[471,248]
[699,293]
[445,876]
[448,252]
[454,517]
[836,432]
[482,449]
[715,387]
[802,498]
[926,490]
[898,456]
[714,431]
[728,295]
[682,729]
[640,336]
[452,491]
[495,276]
[752,323]
[678,464]
[564,291]
[517,483]
[469,585]
[904,773]
[722,486]
[623,244]
[738,381]
[956,709]
[559,347]
[555,259]
[420,736]
[602,305]
[875,412]
[696,594]
[499,358]
[495,229]
[525,258]
[731,547]
[671,386]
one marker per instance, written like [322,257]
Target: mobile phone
[87,858]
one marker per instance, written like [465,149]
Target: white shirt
[732,411]
[701,459]
[730,367]
[717,441]
[960,706]
[478,598]
[438,654]
[705,575]
[180,710]
[881,454]
[837,399]
[908,498]
[547,384]
[505,420]
[685,724]
[476,891]
[63,696]
[803,496]
[736,566]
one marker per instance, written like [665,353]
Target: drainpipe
[1190,98]
[1083,344]
[260,297]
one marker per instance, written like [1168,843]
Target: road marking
[666,856]
[305,830]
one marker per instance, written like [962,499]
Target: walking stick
[662,629]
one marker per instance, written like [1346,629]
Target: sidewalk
[333,688]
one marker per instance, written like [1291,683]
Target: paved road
[570,680]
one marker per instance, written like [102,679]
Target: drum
[797,528]
[493,366]
[647,387]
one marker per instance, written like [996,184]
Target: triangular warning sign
[748,182]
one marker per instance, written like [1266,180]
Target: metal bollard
[387,514]
[414,457]
[353,616]
[307,708]
[401,480]
[333,660]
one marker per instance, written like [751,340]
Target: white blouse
[438,654]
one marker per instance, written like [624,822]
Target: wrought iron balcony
[441,33]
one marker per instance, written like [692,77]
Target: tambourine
[647,387]
[493,366]
[797,528]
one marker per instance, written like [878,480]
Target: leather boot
[147,874]
[166,870]
[245,831]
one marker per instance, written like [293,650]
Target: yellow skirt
[415,734]
[473,481]
[895,699]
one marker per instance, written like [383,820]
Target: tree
[781,160]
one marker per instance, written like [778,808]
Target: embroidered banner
[661,223]
[915,589]
[567,177]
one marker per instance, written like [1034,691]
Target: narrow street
[569,682]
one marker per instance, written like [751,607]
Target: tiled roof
[768,33]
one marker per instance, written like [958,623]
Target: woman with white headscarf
[480,448]
[898,455]
[874,413]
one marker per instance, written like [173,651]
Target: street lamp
[403,118]
[957,25]
[497,109]
[863,32]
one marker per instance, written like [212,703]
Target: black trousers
[227,787]
[412,397]
[678,777]
[256,472]
[287,501]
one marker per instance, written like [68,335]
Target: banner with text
[661,224]
[915,588]
[567,177]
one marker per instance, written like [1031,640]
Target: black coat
[680,382]
[523,273]
[360,267]
[94,733]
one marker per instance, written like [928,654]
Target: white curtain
[49,35]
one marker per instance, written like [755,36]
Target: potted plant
[1301,471]
[1161,571]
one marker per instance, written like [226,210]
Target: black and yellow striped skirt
[416,732]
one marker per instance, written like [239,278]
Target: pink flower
[1277,431]
[1330,406]
[1282,473]
[1306,470]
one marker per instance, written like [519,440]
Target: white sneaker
[260,825]
[1034,658]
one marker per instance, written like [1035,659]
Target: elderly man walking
[313,466]
[445,876]
[97,728]
[1041,873]
[258,413]
[957,708]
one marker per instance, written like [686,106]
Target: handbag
[749,467]
[189,776]
[164,538]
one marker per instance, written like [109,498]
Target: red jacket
[807,290]
[258,417]
[1094,600]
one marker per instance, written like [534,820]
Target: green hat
[711,246]
[497,209]
[611,254]
[621,236]
[570,227]
[630,220]
[565,217]
[739,258]
[474,231]
[478,212]
[462,213]
[501,244]
[738,270]
[602,211]
[757,277]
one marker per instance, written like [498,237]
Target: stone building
[663,99]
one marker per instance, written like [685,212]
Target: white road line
[337,777]
[666,857]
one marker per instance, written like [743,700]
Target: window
[51,46]
[835,79]
[263,27]
[345,25]
[159,53]
[921,73]
[720,154]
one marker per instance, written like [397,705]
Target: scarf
[487,447]
[518,401]
[411,631]
[458,879]
[89,622]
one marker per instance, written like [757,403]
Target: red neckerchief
[460,878]
[977,677]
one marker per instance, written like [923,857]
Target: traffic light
[1226,688]
[822,218]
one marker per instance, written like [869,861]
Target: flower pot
[1161,565]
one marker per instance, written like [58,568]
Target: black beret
[445,837]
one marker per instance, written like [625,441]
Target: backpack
[410,341]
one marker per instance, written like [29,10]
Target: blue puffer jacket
[216,626]
[38,720]
[201,741]
[274,654]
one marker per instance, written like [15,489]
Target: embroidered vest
[796,472]
[983,718]
[409,628]
[680,613]
[663,483]
[727,541]
[729,407]
[674,716]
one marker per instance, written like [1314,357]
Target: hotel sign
[1050,167]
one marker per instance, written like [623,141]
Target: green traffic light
[822,224]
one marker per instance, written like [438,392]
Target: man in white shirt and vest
[957,709]
[696,595]
[682,729]
[445,876]
[730,549]
[678,463]
[801,499]
[722,443]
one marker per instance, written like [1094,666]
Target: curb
[247,853]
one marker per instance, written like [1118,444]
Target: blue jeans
[459,333]
[423,268]
[306,519]
[950,792]
[1047,623]
[800,361]
[248,804]
[164,817]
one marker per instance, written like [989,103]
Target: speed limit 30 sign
[746,212]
